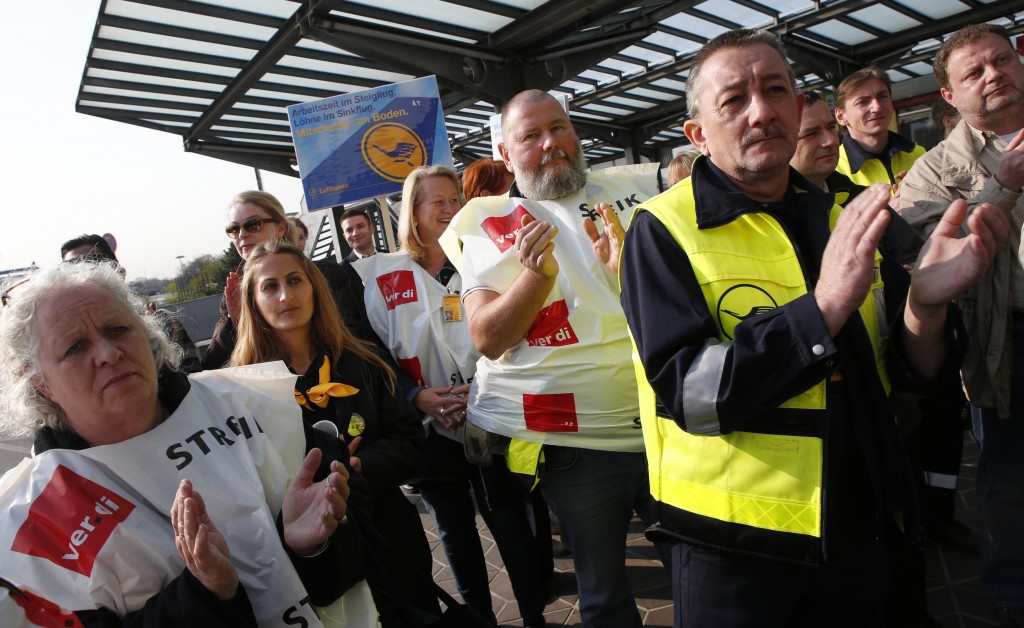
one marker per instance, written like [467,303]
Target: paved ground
[955,599]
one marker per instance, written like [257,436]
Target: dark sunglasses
[253,225]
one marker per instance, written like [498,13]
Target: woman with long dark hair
[288,313]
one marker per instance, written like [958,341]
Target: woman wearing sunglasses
[255,217]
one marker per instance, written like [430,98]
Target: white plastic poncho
[570,381]
[406,307]
[88,529]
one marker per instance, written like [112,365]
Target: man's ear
[503,151]
[947,95]
[695,133]
[840,116]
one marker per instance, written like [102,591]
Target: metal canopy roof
[220,73]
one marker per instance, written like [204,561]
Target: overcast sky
[63,173]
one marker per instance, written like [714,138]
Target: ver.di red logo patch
[554,412]
[551,327]
[503,229]
[70,521]
[397,288]
[412,368]
[44,613]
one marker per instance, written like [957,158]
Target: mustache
[1000,85]
[759,134]
[553,155]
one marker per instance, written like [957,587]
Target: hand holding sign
[312,511]
[201,544]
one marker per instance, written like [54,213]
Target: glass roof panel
[740,14]
[628,102]
[338,87]
[266,7]
[176,43]
[670,41]
[591,115]
[670,84]
[126,107]
[896,76]
[842,33]
[694,25]
[787,8]
[599,108]
[126,93]
[622,66]
[449,13]
[577,87]
[648,55]
[600,77]
[884,18]
[184,19]
[169,64]
[650,93]
[380,76]
[935,9]
[142,78]
[920,68]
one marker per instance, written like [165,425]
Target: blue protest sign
[363,144]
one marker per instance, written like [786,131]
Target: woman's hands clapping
[203,547]
[312,511]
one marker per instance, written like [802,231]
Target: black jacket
[768,362]
[185,601]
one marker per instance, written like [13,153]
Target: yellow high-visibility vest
[873,170]
[770,483]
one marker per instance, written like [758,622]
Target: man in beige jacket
[982,161]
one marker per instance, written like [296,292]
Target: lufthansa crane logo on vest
[393,150]
[741,302]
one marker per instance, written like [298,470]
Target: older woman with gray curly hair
[94,378]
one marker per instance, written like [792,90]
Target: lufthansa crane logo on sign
[393,150]
[741,302]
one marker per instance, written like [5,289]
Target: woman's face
[439,202]
[245,240]
[96,364]
[284,295]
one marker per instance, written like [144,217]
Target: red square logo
[551,327]
[397,288]
[550,413]
[503,229]
[412,368]
[44,613]
[70,521]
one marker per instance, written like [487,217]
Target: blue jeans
[1000,490]
[592,493]
[501,500]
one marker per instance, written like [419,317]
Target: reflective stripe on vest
[767,481]
[524,457]
[873,171]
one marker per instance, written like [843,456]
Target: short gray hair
[23,408]
[739,38]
